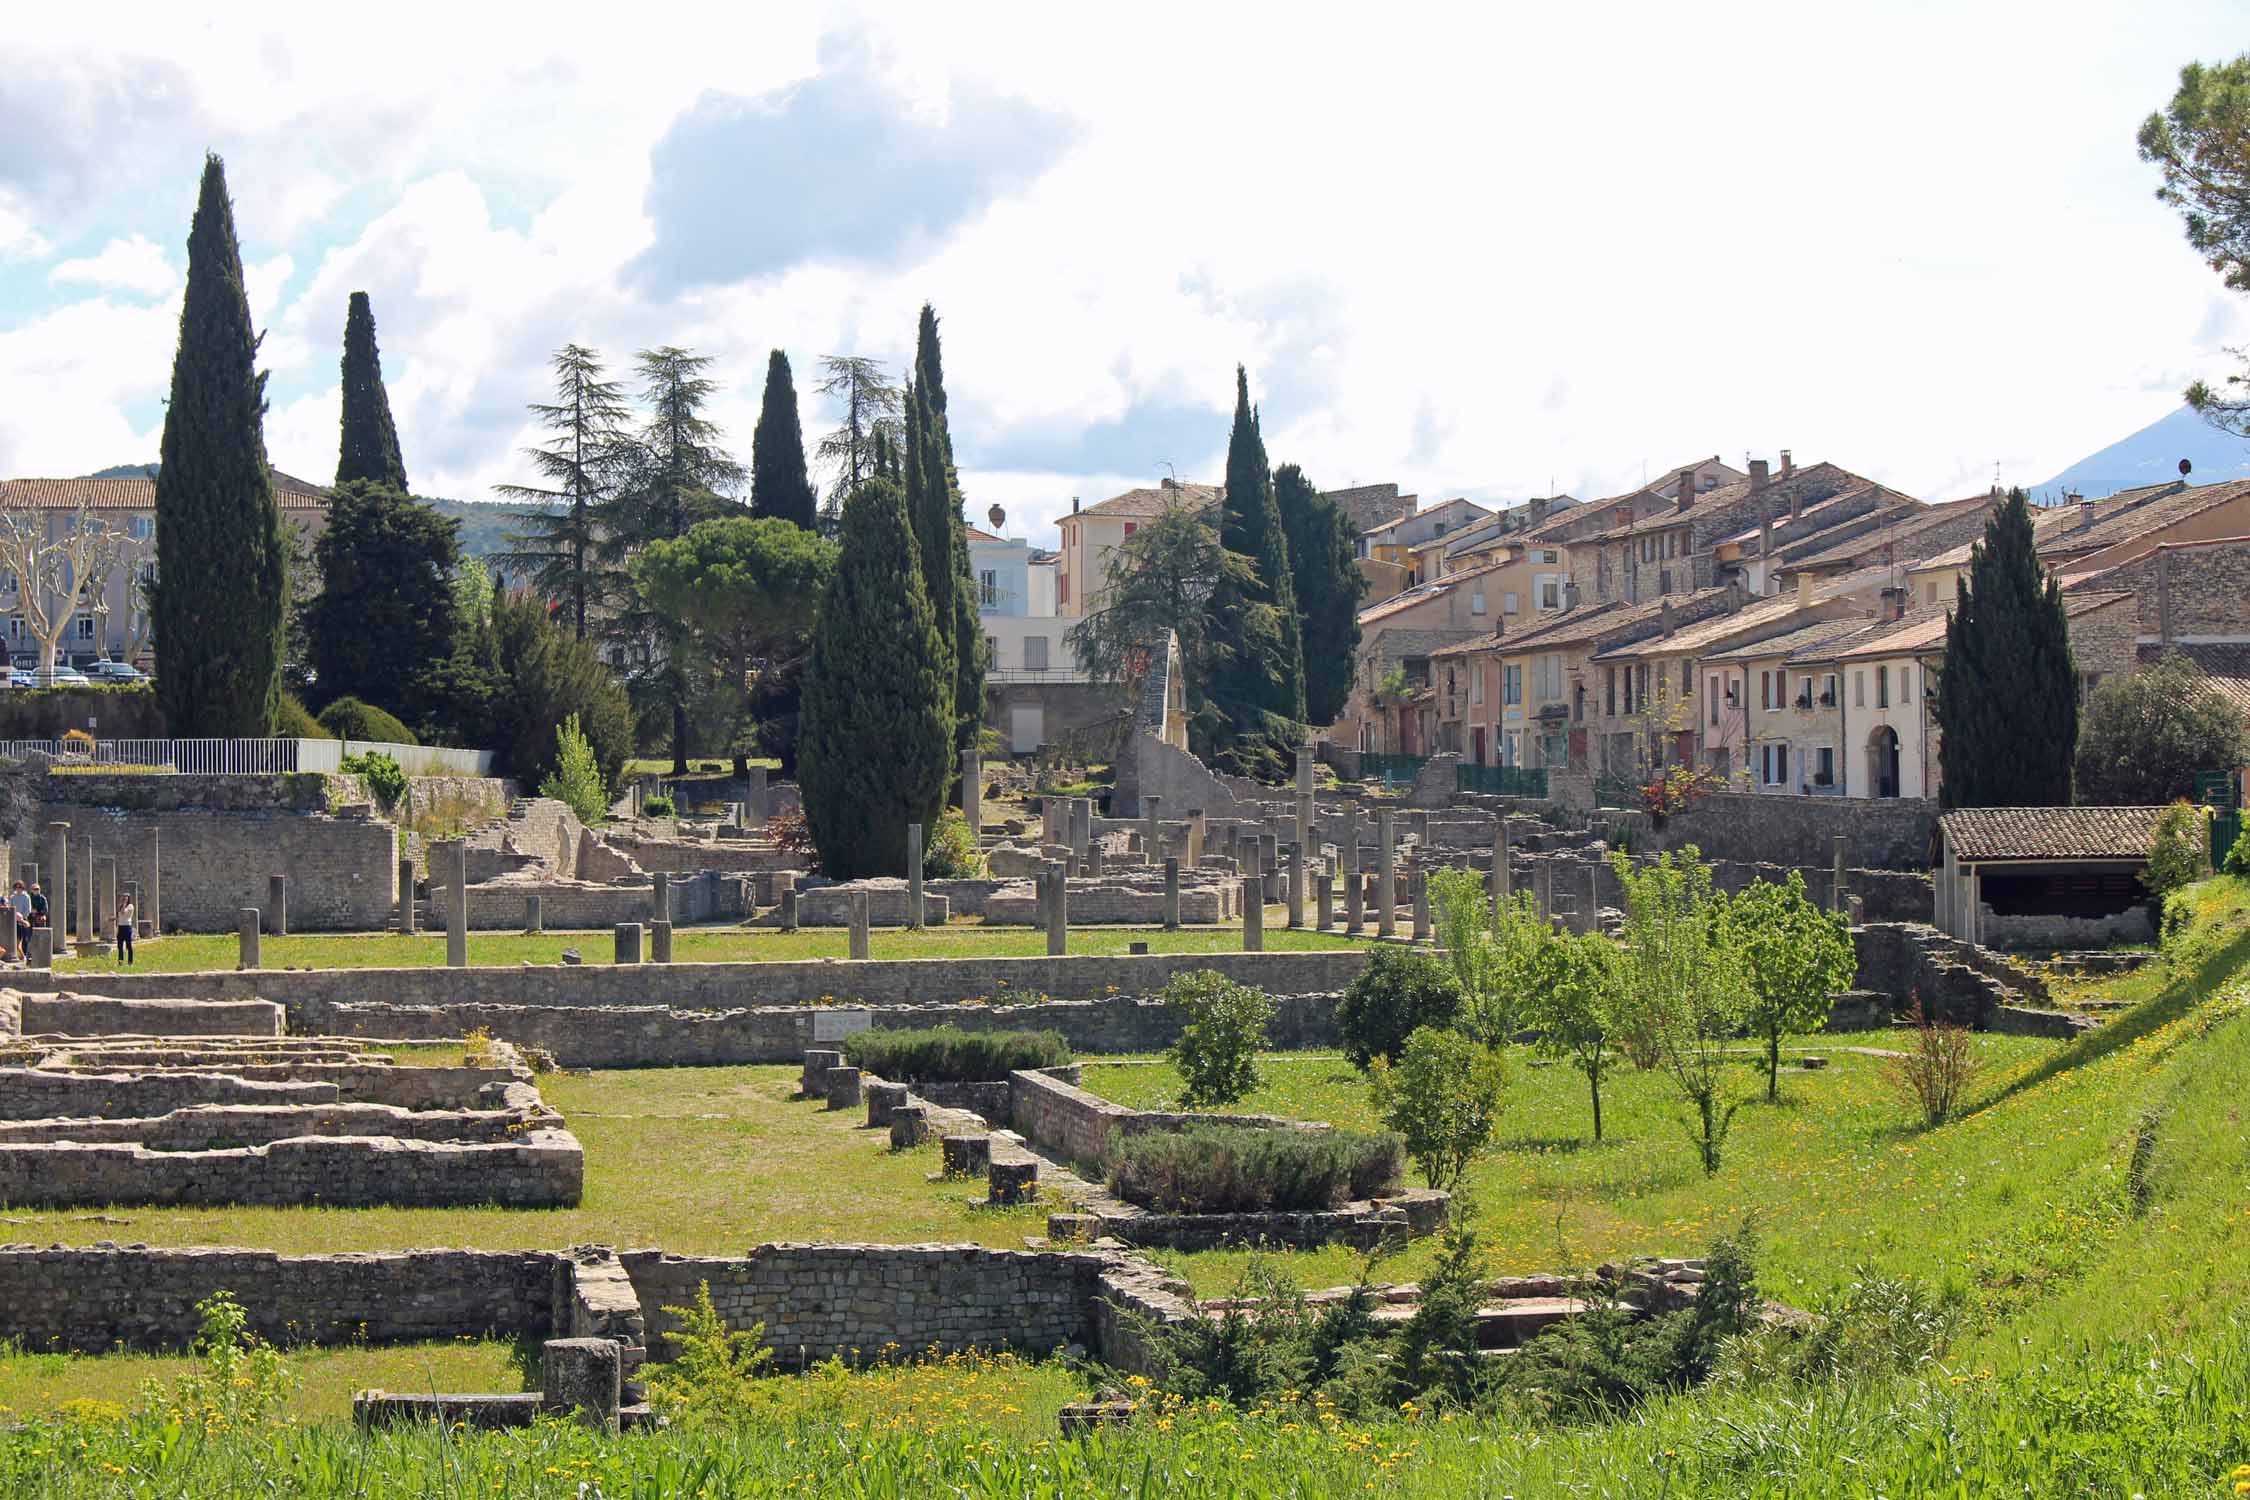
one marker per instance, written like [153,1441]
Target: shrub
[2175,858]
[1400,991]
[792,835]
[659,805]
[952,852]
[1217,1050]
[2238,858]
[1264,1341]
[1443,1098]
[294,721]
[77,742]
[383,775]
[1232,1169]
[713,1373]
[350,719]
[1937,1070]
[577,778]
[948,1054]
[242,1381]
[1878,1326]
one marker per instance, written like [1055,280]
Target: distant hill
[2152,456]
[485,524]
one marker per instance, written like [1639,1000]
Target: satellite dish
[2186,468]
[998,518]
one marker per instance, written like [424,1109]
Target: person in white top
[19,927]
[125,930]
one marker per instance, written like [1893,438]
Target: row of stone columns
[91,917]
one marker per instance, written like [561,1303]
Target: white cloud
[18,240]
[135,264]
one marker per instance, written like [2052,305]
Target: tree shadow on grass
[1548,1145]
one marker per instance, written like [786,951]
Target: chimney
[1894,602]
[1570,595]
[1796,505]
[1074,505]
[1664,618]
[1765,544]
[2164,597]
[1787,467]
[1686,495]
[1804,589]
[2085,512]
[1757,474]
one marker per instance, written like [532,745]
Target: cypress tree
[2008,697]
[386,609]
[370,449]
[876,728]
[221,580]
[1329,586]
[931,500]
[1256,709]
[780,485]
[965,634]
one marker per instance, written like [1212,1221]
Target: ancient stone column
[582,1377]
[1152,838]
[1503,875]
[1594,896]
[1386,871]
[58,876]
[105,898]
[1354,890]
[1081,825]
[1048,832]
[1253,914]
[457,907]
[1297,884]
[155,880]
[1095,859]
[1836,888]
[534,915]
[1269,866]
[1171,893]
[965,1155]
[1324,913]
[83,914]
[246,937]
[972,790]
[858,915]
[910,1126]
[626,938]
[1543,888]
[1058,912]
[1304,794]
[1419,884]
[42,948]
[914,875]
[881,1099]
[1011,1182]
[406,897]
[1195,837]
[788,908]
[842,1086]
[277,905]
[760,803]
[660,942]
[660,897]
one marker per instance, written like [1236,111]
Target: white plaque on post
[829,1025]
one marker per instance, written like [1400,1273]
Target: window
[1131,527]
[141,528]
[1765,691]
[991,650]
[1929,593]
[1883,687]
[1476,686]
[1828,691]
[1550,592]
[1549,555]
[1609,691]
[1687,678]
[1859,690]
[1035,653]
[1714,700]
[1906,693]
[1508,602]
[1511,683]
[85,627]
[1440,530]
[1824,766]
[1773,764]
[1476,601]
[1062,587]
[988,588]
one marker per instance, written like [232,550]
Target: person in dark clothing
[125,931]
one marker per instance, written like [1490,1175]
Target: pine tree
[1255,715]
[370,448]
[1325,570]
[2008,698]
[388,607]
[874,411]
[780,486]
[221,579]
[876,730]
[557,548]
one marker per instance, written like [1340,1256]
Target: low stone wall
[692,856]
[905,981]
[201,1127]
[2049,933]
[537,1169]
[861,1301]
[830,905]
[1955,980]
[1066,1121]
[1889,833]
[565,905]
[1135,898]
[1363,1226]
[647,1036]
[96,1300]
[92,1015]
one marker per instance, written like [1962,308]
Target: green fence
[1501,781]
[1390,767]
[1616,791]
[2225,829]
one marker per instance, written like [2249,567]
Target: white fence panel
[424,760]
[268,757]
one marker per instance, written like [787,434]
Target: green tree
[543,676]
[746,588]
[780,486]
[1399,992]
[1794,956]
[2146,736]
[1255,709]
[2200,142]
[1494,960]
[577,777]
[557,548]
[933,500]
[1223,1026]
[1161,578]
[2008,697]
[370,448]
[1325,571]
[221,579]
[1443,1097]
[873,424]
[675,473]
[1686,985]
[1571,1000]
[387,603]
[877,728]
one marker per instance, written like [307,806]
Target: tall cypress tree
[370,449]
[965,634]
[1256,709]
[930,499]
[780,485]
[2008,698]
[1329,586]
[876,732]
[221,579]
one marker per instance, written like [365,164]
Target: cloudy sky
[1493,250]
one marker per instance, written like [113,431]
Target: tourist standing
[19,911]
[125,930]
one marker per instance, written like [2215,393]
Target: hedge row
[1234,1169]
[948,1054]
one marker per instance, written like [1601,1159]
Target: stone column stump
[883,1100]
[660,942]
[534,917]
[628,943]
[246,936]
[406,897]
[582,1376]
[818,1062]
[277,905]
[1011,1182]
[910,1126]
[842,1086]
[1253,914]
[914,876]
[859,947]
[966,1155]
[1171,893]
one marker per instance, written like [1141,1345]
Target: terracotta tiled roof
[1155,500]
[2122,517]
[1988,834]
[1723,499]
[2225,663]
[979,534]
[1914,635]
[1421,593]
[1904,532]
[1807,637]
[137,493]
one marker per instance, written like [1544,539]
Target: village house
[1392,709]
[2086,536]
[1090,535]
[1413,542]
[1898,538]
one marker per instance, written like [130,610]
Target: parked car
[59,677]
[19,678]
[120,672]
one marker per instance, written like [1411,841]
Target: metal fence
[268,757]
[1390,767]
[1502,781]
[2226,829]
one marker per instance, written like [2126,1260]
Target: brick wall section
[94,1300]
[882,981]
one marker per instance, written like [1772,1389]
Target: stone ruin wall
[1069,1122]
[574,904]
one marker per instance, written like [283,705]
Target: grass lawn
[328,1378]
[201,952]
